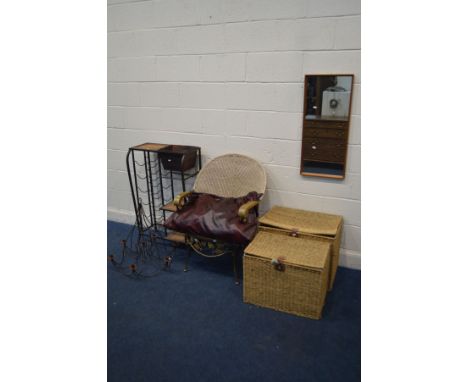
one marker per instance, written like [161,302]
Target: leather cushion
[215,217]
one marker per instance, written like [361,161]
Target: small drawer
[327,124]
[312,132]
[323,149]
[178,158]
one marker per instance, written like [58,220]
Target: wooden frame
[333,133]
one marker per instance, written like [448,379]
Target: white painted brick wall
[222,67]
[274,67]
[228,76]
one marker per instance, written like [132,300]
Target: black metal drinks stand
[156,172]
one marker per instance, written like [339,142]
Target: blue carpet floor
[194,327]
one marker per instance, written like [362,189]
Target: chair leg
[234,266]
[187,258]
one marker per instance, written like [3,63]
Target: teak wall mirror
[325,127]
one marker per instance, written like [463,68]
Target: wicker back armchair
[227,176]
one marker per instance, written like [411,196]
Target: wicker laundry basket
[307,224]
[297,283]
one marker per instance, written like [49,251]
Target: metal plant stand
[154,178]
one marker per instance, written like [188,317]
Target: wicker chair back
[231,175]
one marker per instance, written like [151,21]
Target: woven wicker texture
[333,241]
[309,253]
[320,226]
[302,221]
[231,175]
[335,259]
[298,290]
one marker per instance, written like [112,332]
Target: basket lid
[295,250]
[302,221]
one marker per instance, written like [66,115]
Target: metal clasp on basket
[278,263]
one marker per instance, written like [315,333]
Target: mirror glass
[327,108]
[328,97]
